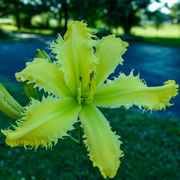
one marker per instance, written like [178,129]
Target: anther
[91,75]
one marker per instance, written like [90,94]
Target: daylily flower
[9,105]
[76,86]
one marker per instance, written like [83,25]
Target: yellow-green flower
[9,105]
[75,83]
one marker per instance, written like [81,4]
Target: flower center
[87,97]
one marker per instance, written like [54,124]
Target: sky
[155,5]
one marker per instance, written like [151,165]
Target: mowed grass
[150,143]
[167,34]
[165,31]
[13,28]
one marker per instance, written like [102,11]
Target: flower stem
[74,140]
[80,133]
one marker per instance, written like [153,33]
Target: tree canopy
[114,14]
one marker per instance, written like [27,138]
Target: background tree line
[114,14]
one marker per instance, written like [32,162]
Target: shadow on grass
[8,37]
[163,41]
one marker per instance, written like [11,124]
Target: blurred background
[151,141]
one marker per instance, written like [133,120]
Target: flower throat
[89,97]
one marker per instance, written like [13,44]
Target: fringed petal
[131,90]
[109,50]
[76,55]
[102,143]
[46,76]
[43,123]
[9,105]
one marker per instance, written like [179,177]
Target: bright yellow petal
[130,90]
[103,144]
[45,75]
[43,123]
[76,55]
[109,50]
[9,105]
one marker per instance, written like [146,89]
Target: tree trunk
[81,10]
[127,29]
[65,14]
[60,19]
[18,23]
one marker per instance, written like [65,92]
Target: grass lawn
[13,28]
[150,143]
[166,31]
[168,34]
[6,30]
[163,41]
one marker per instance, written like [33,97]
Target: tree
[158,18]
[12,7]
[175,14]
[124,13]
[90,10]
[60,8]
[22,12]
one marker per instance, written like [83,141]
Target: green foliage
[114,13]
[158,18]
[175,12]
[90,10]
[40,53]
[55,13]
[30,91]
[3,35]
[123,13]
[41,20]
[150,143]
[22,11]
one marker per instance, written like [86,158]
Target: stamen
[91,87]
[79,90]
[91,75]
[92,92]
